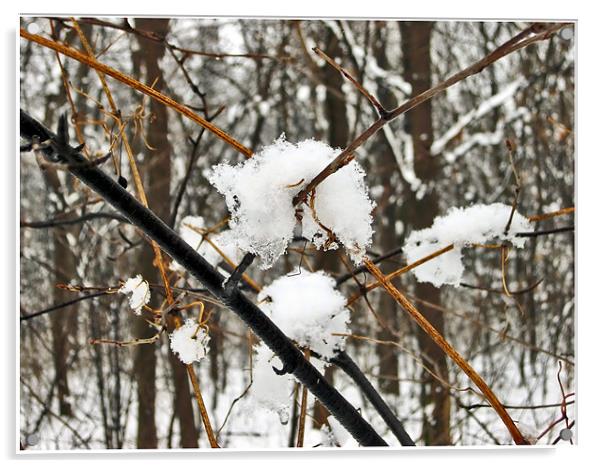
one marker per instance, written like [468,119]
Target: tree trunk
[64,323]
[157,173]
[387,169]
[416,38]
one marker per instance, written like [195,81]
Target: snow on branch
[308,309]
[172,244]
[189,342]
[461,227]
[139,293]
[259,194]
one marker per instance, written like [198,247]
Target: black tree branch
[186,256]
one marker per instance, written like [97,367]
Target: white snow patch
[308,309]
[270,390]
[139,291]
[461,227]
[189,342]
[338,431]
[259,194]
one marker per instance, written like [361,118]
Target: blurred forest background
[258,79]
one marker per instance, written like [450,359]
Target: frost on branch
[461,227]
[189,342]
[259,194]
[192,229]
[269,390]
[308,309]
[138,290]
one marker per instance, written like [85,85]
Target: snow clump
[189,342]
[259,194]
[461,227]
[270,390]
[308,309]
[138,290]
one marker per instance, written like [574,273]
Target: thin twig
[553,214]
[511,150]
[361,269]
[126,27]
[419,359]
[518,292]
[559,438]
[526,407]
[377,105]
[547,232]
[398,272]
[501,333]
[49,411]
[303,412]
[203,410]
[62,305]
[236,400]
[534,33]
[133,166]
[137,85]
[450,351]
[48,223]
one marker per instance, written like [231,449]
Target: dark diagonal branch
[347,365]
[235,300]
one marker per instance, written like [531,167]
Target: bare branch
[377,105]
[137,85]
[449,350]
[66,222]
[534,33]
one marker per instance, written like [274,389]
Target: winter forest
[264,233]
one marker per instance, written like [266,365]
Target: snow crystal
[189,342]
[259,194]
[139,291]
[461,227]
[270,390]
[191,229]
[308,309]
